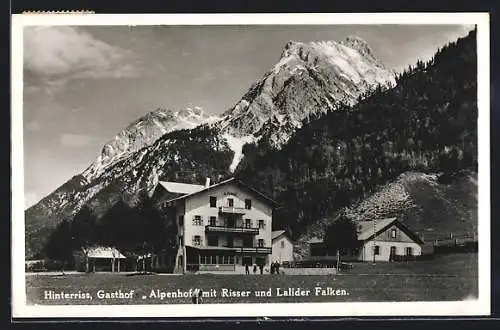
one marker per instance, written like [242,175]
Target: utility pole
[374,233]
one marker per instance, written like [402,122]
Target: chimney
[207,183]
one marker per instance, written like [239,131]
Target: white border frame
[462,308]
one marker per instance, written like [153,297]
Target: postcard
[250,165]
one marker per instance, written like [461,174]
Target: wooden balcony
[234,230]
[254,249]
[232,210]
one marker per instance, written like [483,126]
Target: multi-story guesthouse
[381,240]
[221,227]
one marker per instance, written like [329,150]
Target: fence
[456,244]
[317,263]
[210,267]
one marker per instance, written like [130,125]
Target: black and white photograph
[257,165]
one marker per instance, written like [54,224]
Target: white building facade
[221,227]
[391,239]
[282,247]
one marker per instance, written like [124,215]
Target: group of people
[261,268]
[275,268]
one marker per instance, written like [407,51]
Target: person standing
[195,298]
[247,269]
[200,296]
[277,267]
[261,267]
[254,268]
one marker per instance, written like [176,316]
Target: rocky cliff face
[144,132]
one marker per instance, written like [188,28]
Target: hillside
[429,204]
[427,123]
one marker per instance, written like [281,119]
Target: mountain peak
[356,43]
[324,73]
[143,132]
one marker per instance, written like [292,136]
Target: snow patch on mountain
[236,144]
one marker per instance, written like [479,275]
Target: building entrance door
[393,253]
[260,261]
[246,261]
[230,222]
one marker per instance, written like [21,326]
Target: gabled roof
[180,188]
[103,252]
[231,180]
[276,233]
[366,228]
[370,228]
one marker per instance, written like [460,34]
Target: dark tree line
[427,122]
[139,229]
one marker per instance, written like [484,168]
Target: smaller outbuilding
[380,240]
[387,240]
[282,247]
[98,259]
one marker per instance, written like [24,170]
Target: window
[376,250]
[196,240]
[181,220]
[393,250]
[282,244]
[213,221]
[212,240]
[248,223]
[409,251]
[180,240]
[261,242]
[213,201]
[228,260]
[248,204]
[230,202]
[262,224]
[197,220]
[393,233]
[230,242]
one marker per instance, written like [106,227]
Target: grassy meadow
[444,278]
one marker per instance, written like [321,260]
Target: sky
[83,85]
